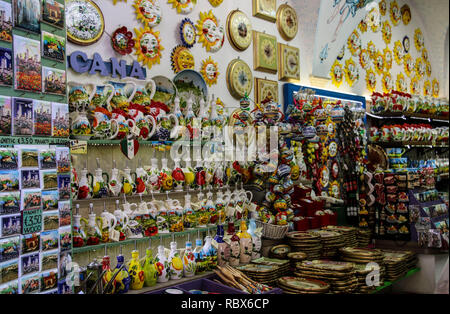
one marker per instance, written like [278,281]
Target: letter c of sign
[79,62]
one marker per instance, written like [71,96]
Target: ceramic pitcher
[162,265]
[150,272]
[98,182]
[122,97]
[144,92]
[135,271]
[81,127]
[122,221]
[114,184]
[103,126]
[84,189]
[145,125]
[175,262]
[152,183]
[126,125]
[102,96]
[141,179]
[80,96]
[188,261]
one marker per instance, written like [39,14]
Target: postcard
[65,238]
[9,248]
[29,157]
[53,81]
[5,118]
[31,199]
[60,120]
[29,263]
[9,180]
[9,271]
[10,225]
[30,179]
[53,13]
[50,179]
[6,70]
[64,186]
[47,158]
[49,240]
[42,118]
[49,260]
[6,25]
[9,159]
[30,243]
[27,64]
[53,46]
[30,283]
[65,213]
[9,203]
[51,220]
[50,200]
[49,280]
[9,288]
[63,159]
[22,123]
[27,14]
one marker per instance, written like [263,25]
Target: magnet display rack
[11,141]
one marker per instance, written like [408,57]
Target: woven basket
[273,232]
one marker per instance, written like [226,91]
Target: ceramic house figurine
[135,271]
[188,261]
[162,265]
[175,262]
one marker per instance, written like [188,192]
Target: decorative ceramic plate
[287,22]
[84,21]
[255,268]
[190,82]
[328,265]
[303,235]
[239,30]
[302,284]
[280,250]
[166,91]
[239,78]
[298,256]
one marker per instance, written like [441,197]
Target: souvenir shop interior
[224,147]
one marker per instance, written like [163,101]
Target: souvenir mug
[120,100]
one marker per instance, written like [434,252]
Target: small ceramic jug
[175,262]
[114,184]
[120,99]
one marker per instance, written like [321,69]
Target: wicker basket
[273,232]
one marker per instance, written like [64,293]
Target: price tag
[135,131]
[239,209]
[31,221]
[114,235]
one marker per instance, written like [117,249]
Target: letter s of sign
[79,62]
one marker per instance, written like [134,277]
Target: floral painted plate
[303,284]
[85,22]
[190,83]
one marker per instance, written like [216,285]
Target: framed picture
[288,63]
[266,90]
[265,9]
[54,81]
[42,118]
[49,280]
[265,52]
[53,46]
[53,13]
[30,283]
[30,243]
[5,116]
[6,21]
[31,199]
[27,14]
[50,179]
[60,120]
[6,71]
[30,264]
[22,117]
[27,64]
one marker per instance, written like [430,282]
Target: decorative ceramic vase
[128,185]
[165,129]
[145,125]
[188,261]
[202,214]
[123,279]
[93,231]
[98,182]
[103,126]
[141,179]
[79,234]
[162,265]
[149,268]
[144,93]
[122,221]
[211,208]
[108,274]
[120,100]
[235,248]
[175,262]
[114,184]
[108,225]
[102,96]
[126,125]
[81,127]
[245,241]
[209,254]
[220,207]
[79,97]
[178,176]
[190,217]
[256,239]
[135,271]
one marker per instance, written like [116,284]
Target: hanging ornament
[182,59]
[129,148]
[398,52]
[211,34]
[351,72]
[419,40]
[337,74]
[188,34]
[362,26]
[210,71]
[148,12]
[387,32]
[364,59]
[435,88]
[425,55]
[427,90]
[406,14]
[341,53]
[388,83]
[183,6]
[354,43]
[374,20]
[379,63]
[401,83]
[383,7]
[414,86]
[395,13]
[387,58]
[408,64]
[215,3]
[372,49]
[420,68]
[122,41]
[428,68]
[406,44]
[148,46]
[371,80]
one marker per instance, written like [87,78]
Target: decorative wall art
[379,63]
[419,40]
[337,74]
[398,52]
[408,64]
[400,83]
[406,44]
[351,72]
[5,116]
[239,78]
[372,49]
[289,63]
[53,13]
[122,41]
[27,14]
[60,120]
[53,46]
[386,32]
[266,90]
[428,68]
[182,59]
[183,6]
[354,43]
[85,22]
[210,71]
[6,25]
[53,81]
[388,83]
[394,12]
[148,12]
[287,22]
[371,80]
[210,33]
[148,46]
[27,64]
[420,67]
[406,14]
[188,33]
[265,52]
[6,71]
[239,30]
[215,3]
[435,91]
[387,54]
[364,59]
[427,89]
[42,118]
[414,86]
[265,9]
[383,7]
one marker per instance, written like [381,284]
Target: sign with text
[31,221]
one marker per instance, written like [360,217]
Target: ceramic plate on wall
[84,21]
[190,82]
[166,91]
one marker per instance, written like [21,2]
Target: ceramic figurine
[153,183]
[245,241]
[93,233]
[123,279]
[162,265]
[135,271]
[128,185]
[165,176]
[108,274]
[149,268]
[122,221]
[79,235]
[114,184]
[200,265]
[175,263]
[84,190]
[235,248]
[141,179]
[189,175]
[190,217]
[188,261]
[178,176]
[98,182]
[223,250]
[256,239]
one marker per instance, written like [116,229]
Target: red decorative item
[122,41]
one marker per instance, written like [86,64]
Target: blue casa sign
[79,62]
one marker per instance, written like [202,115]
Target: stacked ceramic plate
[308,242]
[331,242]
[340,276]
[363,237]
[280,251]
[283,265]
[296,285]
[364,274]
[265,274]
[398,263]
[348,233]
[361,255]
[296,257]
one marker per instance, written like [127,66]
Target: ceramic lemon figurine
[149,268]
[175,262]
[136,272]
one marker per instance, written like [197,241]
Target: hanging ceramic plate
[148,12]
[84,21]
[287,22]
[239,30]
[239,78]
[190,82]
[188,34]
[166,91]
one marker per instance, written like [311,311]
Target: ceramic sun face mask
[351,72]
[364,59]
[183,6]
[371,80]
[182,59]
[148,47]
[148,12]
[337,74]
[211,34]
[188,34]
[354,43]
[210,71]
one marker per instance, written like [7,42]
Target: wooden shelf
[410,144]
[407,115]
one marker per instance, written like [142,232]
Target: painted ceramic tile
[49,260]
[49,280]
[64,187]
[265,52]
[10,226]
[63,159]
[30,179]
[29,157]
[51,220]
[266,90]
[29,264]
[22,116]
[27,64]
[49,240]
[65,238]
[9,248]
[30,243]
[42,118]
[9,180]
[265,9]
[53,13]
[64,213]
[54,81]
[31,199]
[30,284]
[60,120]
[6,70]
[5,115]
[9,271]
[50,179]
[47,159]
[50,200]
[53,46]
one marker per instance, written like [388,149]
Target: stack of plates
[362,271]
[349,234]
[280,251]
[296,257]
[283,265]
[307,242]
[363,236]
[331,242]
[398,263]
[340,276]
[265,274]
[295,285]
[361,256]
